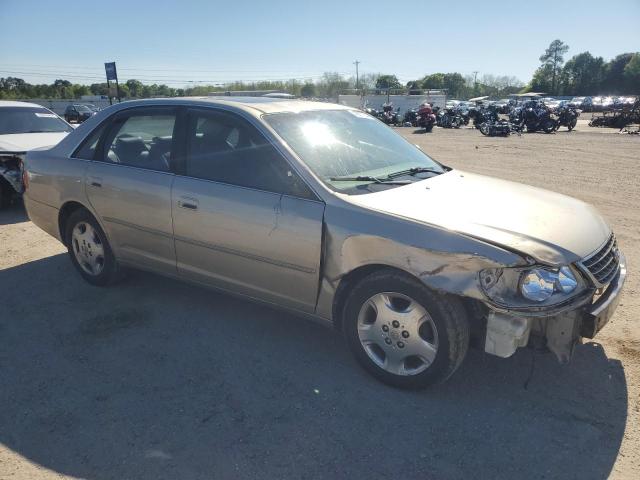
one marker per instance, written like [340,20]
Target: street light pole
[356,63]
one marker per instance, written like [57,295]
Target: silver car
[324,210]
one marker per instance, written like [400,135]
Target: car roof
[254,105]
[10,103]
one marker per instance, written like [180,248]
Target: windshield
[348,143]
[82,108]
[30,120]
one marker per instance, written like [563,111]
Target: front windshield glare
[348,143]
[30,120]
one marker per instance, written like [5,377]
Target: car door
[129,186]
[243,218]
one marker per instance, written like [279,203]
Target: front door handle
[95,182]
[189,203]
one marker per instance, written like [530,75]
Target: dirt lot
[156,379]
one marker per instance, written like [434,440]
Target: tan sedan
[324,210]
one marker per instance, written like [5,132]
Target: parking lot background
[157,379]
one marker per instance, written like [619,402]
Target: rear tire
[89,249]
[402,333]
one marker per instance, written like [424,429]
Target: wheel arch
[350,279]
[67,209]
[475,309]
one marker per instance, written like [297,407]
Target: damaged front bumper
[506,332]
[11,169]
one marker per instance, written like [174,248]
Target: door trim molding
[231,251]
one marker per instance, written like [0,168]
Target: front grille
[603,265]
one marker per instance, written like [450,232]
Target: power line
[168,79]
[160,69]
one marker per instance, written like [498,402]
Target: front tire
[402,333]
[89,249]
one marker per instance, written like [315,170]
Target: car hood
[23,142]
[550,227]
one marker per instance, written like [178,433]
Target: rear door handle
[189,203]
[95,182]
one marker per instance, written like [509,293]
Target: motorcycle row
[531,116]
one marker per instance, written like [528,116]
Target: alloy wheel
[397,333]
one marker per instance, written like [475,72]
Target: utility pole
[475,82]
[356,63]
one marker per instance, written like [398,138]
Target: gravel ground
[156,379]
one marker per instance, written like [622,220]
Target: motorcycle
[411,117]
[426,118]
[450,118]
[494,128]
[567,116]
[489,123]
[372,111]
[536,116]
[389,115]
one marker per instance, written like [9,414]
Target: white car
[23,127]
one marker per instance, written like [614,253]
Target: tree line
[583,74]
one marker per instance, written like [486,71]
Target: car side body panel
[443,260]
[134,205]
[262,244]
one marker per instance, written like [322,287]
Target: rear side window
[141,140]
[225,148]
[87,150]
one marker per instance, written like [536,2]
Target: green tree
[632,74]
[433,81]
[331,84]
[455,84]
[615,81]
[553,58]
[582,75]
[135,87]
[388,81]
[542,79]
[308,90]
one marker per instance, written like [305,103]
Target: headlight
[539,284]
[531,286]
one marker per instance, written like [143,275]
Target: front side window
[225,148]
[141,140]
[341,146]
[15,120]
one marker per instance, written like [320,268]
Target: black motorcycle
[389,115]
[490,124]
[410,117]
[450,118]
[495,128]
[567,116]
[536,116]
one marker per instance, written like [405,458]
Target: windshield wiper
[368,178]
[413,171]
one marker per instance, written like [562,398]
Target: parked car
[582,103]
[502,105]
[23,127]
[77,113]
[607,104]
[323,209]
[596,104]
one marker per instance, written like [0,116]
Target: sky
[183,43]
